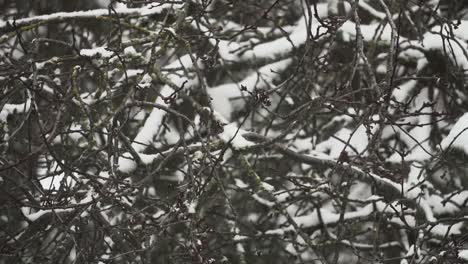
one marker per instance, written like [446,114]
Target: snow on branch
[99,51]
[154,121]
[146,10]
[236,52]
[127,163]
[436,39]
[316,131]
[9,109]
[73,206]
[458,136]
[260,79]
[388,187]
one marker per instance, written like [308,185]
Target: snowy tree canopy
[223,131]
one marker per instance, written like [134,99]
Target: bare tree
[220,131]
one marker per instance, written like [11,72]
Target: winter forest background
[229,131]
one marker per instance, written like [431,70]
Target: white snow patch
[458,136]
[239,183]
[336,144]
[463,254]
[192,207]
[233,135]
[446,230]
[401,92]
[97,52]
[153,8]
[9,109]
[145,81]
[130,51]
[449,203]
[258,80]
